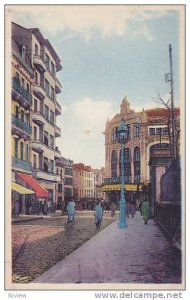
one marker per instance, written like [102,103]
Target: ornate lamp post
[122,137]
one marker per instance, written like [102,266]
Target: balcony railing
[38,60]
[22,164]
[38,173]
[21,125]
[38,116]
[24,94]
[39,90]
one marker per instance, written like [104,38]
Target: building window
[151,131]
[68,193]
[17,76]
[22,82]
[114,135]
[27,152]
[51,165]
[47,61]
[36,49]
[17,112]
[35,133]
[36,78]
[35,105]
[51,116]
[46,138]
[51,141]
[59,188]
[22,115]
[165,131]
[21,150]
[137,170]
[127,164]
[16,148]
[47,86]
[27,118]
[68,181]
[47,112]
[136,129]
[159,131]
[114,164]
[34,161]
[46,164]
[27,87]
[52,68]
[52,92]
[23,51]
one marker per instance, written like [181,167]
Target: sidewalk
[26,218]
[137,254]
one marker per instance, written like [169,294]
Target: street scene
[97,130]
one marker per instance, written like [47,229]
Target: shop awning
[21,189]
[39,190]
[117,187]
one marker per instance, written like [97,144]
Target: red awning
[39,190]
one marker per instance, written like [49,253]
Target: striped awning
[21,189]
[117,187]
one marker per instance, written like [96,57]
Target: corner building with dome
[147,132]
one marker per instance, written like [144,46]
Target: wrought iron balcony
[21,164]
[20,92]
[21,125]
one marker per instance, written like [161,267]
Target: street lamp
[122,137]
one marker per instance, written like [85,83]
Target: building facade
[83,182]
[40,87]
[21,121]
[99,176]
[146,130]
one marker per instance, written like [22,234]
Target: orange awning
[39,190]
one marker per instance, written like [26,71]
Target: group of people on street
[144,209]
[99,210]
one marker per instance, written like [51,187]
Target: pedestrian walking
[98,214]
[112,208]
[71,210]
[140,207]
[133,208]
[145,211]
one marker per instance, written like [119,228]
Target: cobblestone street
[39,244]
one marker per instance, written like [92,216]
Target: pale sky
[107,52]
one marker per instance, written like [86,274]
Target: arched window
[137,164]
[127,164]
[114,135]
[114,164]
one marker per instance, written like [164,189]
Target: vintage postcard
[95,148]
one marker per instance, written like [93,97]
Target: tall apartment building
[83,181]
[21,123]
[45,63]
[147,130]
